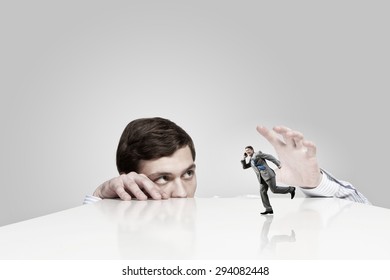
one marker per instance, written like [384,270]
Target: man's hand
[128,186]
[297,156]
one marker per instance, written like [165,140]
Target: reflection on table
[204,228]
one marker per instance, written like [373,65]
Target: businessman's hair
[249,147]
[148,139]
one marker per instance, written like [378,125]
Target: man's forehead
[180,161]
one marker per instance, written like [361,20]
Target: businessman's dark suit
[266,176]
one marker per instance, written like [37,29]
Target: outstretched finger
[311,148]
[285,132]
[291,137]
[297,139]
[270,135]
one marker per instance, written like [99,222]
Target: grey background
[74,73]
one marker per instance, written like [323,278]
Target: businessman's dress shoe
[267,212]
[293,193]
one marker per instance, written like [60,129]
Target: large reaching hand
[299,166]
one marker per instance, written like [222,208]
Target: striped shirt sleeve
[332,187]
[89,199]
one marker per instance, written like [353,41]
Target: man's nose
[179,190]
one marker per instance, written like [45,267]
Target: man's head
[148,139]
[161,150]
[249,150]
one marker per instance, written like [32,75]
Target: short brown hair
[147,139]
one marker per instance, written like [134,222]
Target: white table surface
[204,228]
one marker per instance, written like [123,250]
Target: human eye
[189,174]
[161,180]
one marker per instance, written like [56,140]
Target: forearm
[245,165]
[331,187]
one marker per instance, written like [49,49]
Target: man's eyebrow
[158,174]
[191,166]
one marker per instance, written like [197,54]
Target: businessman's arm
[270,158]
[245,164]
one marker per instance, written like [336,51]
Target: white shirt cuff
[89,199]
[326,188]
